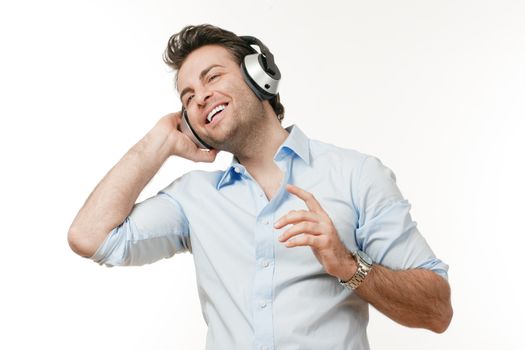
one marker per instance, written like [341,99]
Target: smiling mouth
[214,112]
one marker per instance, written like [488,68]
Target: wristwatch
[364,265]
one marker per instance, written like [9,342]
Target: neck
[257,156]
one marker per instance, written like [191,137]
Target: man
[291,242]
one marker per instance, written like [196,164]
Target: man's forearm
[414,298]
[113,198]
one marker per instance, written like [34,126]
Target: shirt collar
[296,143]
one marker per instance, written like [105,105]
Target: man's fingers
[305,227]
[307,197]
[207,156]
[295,216]
[197,154]
[303,240]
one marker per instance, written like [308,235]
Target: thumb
[207,156]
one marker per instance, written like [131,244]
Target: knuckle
[310,240]
[327,228]
[325,242]
[292,242]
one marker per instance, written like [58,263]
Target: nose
[202,96]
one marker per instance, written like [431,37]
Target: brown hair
[190,38]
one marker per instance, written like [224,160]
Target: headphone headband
[269,63]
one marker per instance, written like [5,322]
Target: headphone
[260,73]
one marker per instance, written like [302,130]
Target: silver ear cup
[266,86]
[188,131]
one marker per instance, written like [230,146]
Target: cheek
[237,86]
[192,116]
[245,92]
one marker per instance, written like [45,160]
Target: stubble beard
[245,122]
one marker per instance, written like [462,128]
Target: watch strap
[363,268]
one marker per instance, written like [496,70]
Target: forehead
[201,59]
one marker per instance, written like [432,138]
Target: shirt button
[264,347]
[265,263]
[237,169]
[262,304]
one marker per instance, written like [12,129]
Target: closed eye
[212,77]
[188,100]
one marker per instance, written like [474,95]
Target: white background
[435,89]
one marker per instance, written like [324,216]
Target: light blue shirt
[255,293]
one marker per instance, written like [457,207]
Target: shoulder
[324,153]
[195,180]
[350,159]
[363,171]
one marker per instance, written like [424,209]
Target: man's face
[221,107]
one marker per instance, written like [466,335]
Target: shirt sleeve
[386,231]
[156,228]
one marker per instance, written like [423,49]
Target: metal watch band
[364,265]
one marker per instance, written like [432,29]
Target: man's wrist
[157,143]
[364,265]
[349,267]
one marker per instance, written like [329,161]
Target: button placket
[265,246]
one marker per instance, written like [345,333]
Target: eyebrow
[201,77]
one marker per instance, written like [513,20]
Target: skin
[249,129]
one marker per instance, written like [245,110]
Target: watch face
[365,257]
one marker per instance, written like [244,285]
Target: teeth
[215,111]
